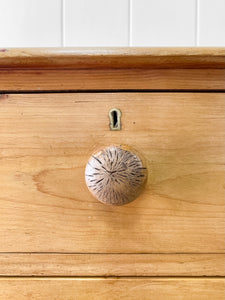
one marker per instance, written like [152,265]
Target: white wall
[108,23]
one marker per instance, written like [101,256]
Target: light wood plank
[111,288]
[46,141]
[111,79]
[127,57]
[43,264]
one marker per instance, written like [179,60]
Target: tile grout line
[129,23]
[62,23]
[196,23]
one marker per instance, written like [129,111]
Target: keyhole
[115,116]
[115,119]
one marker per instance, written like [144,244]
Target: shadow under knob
[115,175]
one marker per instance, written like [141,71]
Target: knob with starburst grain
[115,175]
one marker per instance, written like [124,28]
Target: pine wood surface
[50,225]
[58,264]
[128,57]
[111,79]
[46,140]
[112,288]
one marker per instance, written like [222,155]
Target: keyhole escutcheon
[115,119]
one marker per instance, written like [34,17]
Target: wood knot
[115,176]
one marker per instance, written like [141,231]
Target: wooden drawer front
[111,288]
[46,140]
[144,265]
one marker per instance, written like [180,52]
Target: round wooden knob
[115,175]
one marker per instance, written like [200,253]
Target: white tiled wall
[108,23]
[30,23]
[163,23]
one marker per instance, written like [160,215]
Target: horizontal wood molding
[46,141]
[43,264]
[82,58]
[111,79]
[112,288]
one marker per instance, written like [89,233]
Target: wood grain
[111,288]
[111,79]
[45,58]
[46,141]
[51,264]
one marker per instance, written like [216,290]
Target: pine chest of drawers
[58,110]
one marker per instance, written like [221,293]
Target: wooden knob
[115,175]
